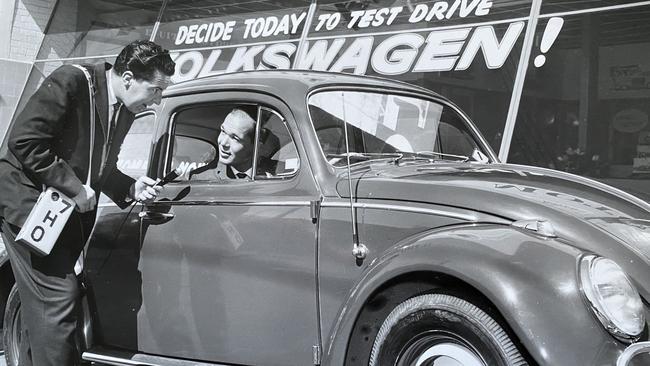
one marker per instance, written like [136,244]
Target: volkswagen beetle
[387,233]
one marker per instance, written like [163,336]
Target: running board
[122,358]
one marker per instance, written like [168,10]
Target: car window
[133,159]
[277,154]
[222,142]
[385,125]
[191,153]
[194,137]
[453,137]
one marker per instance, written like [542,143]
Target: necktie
[112,123]
[109,134]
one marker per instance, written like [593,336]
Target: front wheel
[438,329]
[12,332]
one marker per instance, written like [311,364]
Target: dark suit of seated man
[236,147]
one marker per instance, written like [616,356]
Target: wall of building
[29,24]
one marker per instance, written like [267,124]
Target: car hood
[587,214]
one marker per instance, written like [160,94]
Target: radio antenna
[359,251]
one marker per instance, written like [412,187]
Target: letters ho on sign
[46,221]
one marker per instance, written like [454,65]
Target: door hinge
[314,210]
[317,355]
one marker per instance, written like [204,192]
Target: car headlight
[613,298]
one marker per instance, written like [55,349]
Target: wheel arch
[408,285]
[528,282]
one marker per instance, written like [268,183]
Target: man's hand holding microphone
[144,190]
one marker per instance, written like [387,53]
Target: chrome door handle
[155,215]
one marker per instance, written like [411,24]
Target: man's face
[236,142]
[140,93]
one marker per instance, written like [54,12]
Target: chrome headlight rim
[585,266]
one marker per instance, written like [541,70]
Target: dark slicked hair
[143,58]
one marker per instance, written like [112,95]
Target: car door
[222,270]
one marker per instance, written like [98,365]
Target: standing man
[49,145]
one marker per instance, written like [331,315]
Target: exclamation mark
[551,32]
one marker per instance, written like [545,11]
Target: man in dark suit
[49,145]
[236,144]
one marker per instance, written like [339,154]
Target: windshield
[387,126]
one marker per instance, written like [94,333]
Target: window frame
[260,106]
[257,134]
[482,143]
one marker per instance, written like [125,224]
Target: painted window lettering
[435,51]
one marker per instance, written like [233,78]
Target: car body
[304,267]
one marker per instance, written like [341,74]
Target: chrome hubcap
[448,355]
[440,350]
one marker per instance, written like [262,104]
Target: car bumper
[633,354]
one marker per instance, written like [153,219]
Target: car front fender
[531,280]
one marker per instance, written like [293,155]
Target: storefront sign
[630,121]
[207,33]
[386,41]
[444,50]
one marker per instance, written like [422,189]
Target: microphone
[170,177]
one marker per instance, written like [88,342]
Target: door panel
[111,270]
[220,271]
[230,282]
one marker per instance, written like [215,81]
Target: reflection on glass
[134,153]
[475,66]
[36,77]
[13,78]
[585,109]
[384,126]
[93,27]
[42,69]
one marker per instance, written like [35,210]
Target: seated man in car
[236,144]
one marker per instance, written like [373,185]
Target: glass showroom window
[469,56]
[207,37]
[586,98]
[39,72]
[81,32]
[81,28]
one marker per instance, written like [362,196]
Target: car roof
[290,82]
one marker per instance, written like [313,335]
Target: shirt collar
[112,99]
[249,172]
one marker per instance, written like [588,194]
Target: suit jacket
[217,169]
[49,144]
